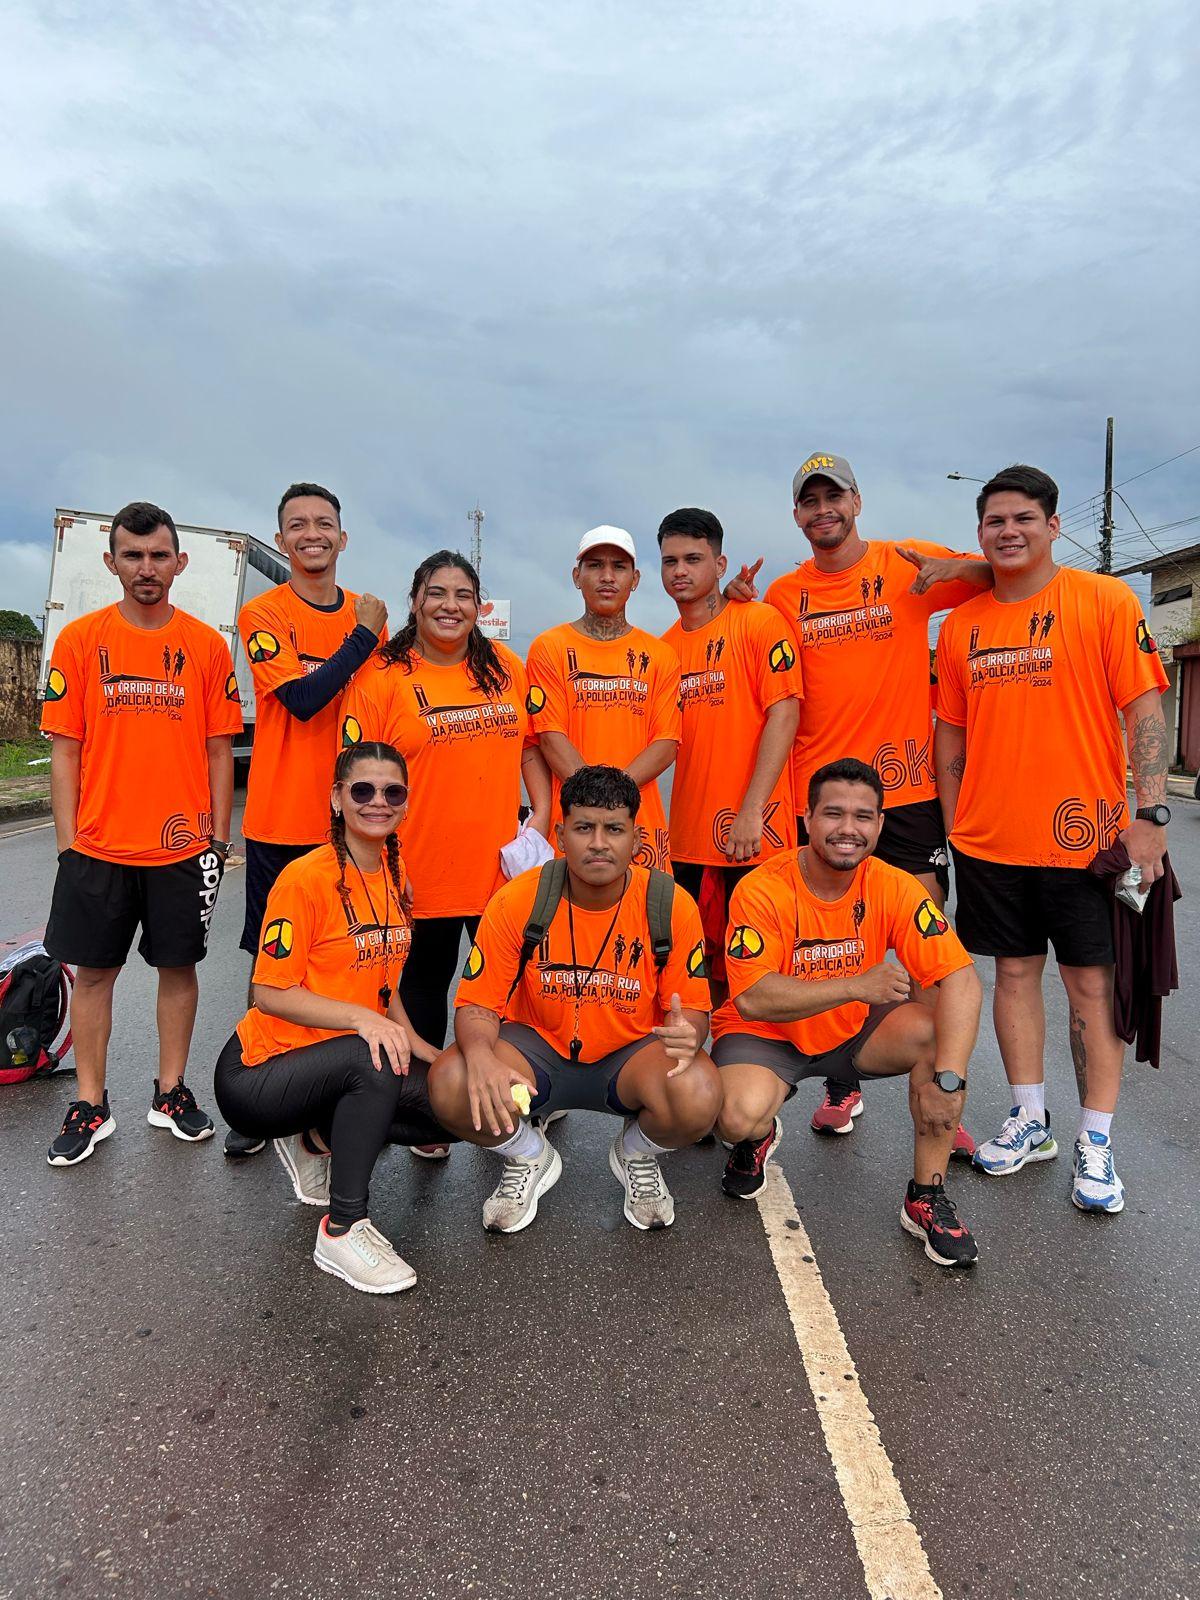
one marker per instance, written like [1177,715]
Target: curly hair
[484,665]
[347,760]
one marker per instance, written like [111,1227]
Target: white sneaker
[430,1152]
[1022,1138]
[513,1203]
[1095,1185]
[309,1174]
[648,1202]
[363,1258]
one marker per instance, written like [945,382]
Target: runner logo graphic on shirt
[745,943]
[1031,663]
[827,958]
[448,724]
[126,691]
[929,921]
[535,700]
[782,657]
[697,964]
[56,684]
[612,688]
[277,939]
[474,963]
[231,688]
[1146,641]
[351,731]
[262,646]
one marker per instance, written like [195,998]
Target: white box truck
[224,570]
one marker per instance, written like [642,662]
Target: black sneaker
[931,1216]
[745,1171]
[240,1145]
[83,1130]
[177,1109]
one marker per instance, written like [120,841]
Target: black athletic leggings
[332,1087]
[431,968]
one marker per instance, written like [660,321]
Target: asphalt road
[582,1410]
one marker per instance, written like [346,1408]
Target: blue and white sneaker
[1095,1185]
[1022,1138]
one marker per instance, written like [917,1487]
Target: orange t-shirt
[864,649]
[734,669]
[620,1002]
[611,698]
[291,765]
[142,702]
[777,925]
[463,750]
[1038,684]
[311,940]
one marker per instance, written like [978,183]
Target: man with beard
[304,640]
[602,692]
[142,705]
[814,995]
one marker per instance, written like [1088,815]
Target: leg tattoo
[1079,1054]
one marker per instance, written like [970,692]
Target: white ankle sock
[635,1143]
[1095,1122]
[524,1145]
[1031,1097]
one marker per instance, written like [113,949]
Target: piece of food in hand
[520,1094]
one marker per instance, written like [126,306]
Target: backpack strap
[660,897]
[551,881]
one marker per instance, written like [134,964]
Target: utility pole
[1106,527]
[475,518]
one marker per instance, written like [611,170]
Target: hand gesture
[880,985]
[489,1088]
[678,1038]
[745,836]
[372,613]
[743,587]
[386,1040]
[1146,844]
[930,569]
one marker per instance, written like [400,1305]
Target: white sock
[524,1145]
[1095,1122]
[1031,1097]
[635,1143]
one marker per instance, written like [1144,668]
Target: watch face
[949,1082]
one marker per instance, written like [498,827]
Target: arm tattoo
[1149,758]
[958,766]
[1079,1054]
[477,1014]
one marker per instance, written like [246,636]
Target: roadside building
[1174,618]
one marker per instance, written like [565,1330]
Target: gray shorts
[792,1065]
[564,1085]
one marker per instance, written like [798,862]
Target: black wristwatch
[949,1082]
[1158,815]
[222,845]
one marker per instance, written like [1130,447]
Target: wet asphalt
[583,1410]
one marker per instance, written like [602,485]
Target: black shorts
[98,906]
[264,863]
[565,1085]
[792,1065]
[1002,910]
[913,839]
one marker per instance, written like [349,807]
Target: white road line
[889,1546]
[16,833]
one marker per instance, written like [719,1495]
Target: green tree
[16,625]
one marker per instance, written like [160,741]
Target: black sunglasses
[394,794]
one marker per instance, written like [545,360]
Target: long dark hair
[487,671]
[347,760]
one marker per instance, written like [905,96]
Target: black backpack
[34,1000]
[660,895]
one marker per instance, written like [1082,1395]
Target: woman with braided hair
[326,1062]
[454,704]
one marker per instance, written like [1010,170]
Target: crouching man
[813,995]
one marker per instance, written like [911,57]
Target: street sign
[493,618]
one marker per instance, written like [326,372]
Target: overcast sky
[588,263]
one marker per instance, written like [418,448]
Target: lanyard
[576,1041]
[385,988]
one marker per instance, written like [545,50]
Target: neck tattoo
[604,628]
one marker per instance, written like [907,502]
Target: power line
[1124,481]
[1165,553]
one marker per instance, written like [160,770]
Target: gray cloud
[589,264]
